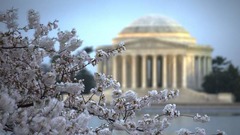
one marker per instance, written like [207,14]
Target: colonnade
[158,71]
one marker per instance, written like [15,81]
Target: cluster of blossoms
[31,100]
[200,118]
[198,131]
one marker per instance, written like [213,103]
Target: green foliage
[225,77]
[45,67]
[219,64]
[88,80]
[54,58]
[88,49]
[84,74]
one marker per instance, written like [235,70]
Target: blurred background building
[160,54]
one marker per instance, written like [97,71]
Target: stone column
[199,74]
[134,73]
[193,75]
[144,71]
[154,73]
[190,71]
[106,66]
[174,72]
[124,77]
[114,67]
[164,71]
[204,66]
[209,64]
[184,72]
[99,67]
[103,66]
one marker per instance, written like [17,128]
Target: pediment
[152,43]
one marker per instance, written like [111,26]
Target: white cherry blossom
[38,102]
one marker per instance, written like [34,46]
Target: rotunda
[159,27]
[160,54]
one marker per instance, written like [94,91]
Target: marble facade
[160,54]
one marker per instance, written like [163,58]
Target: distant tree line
[225,77]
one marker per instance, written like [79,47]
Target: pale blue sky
[211,22]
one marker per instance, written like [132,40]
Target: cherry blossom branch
[14,47]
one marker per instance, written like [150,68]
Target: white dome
[154,20]
[155,26]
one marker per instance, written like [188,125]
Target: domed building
[160,54]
